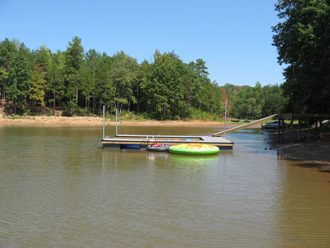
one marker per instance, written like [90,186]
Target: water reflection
[304,207]
[157,156]
[194,161]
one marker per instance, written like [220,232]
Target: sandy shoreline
[98,121]
[311,153]
[315,152]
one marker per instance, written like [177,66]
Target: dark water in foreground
[59,188]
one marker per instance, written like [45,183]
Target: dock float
[142,141]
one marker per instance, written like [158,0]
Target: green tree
[73,62]
[86,85]
[274,100]
[164,87]
[7,52]
[105,82]
[19,76]
[90,76]
[142,96]
[42,57]
[303,44]
[197,83]
[36,90]
[56,78]
[3,79]
[26,53]
[124,74]
[209,96]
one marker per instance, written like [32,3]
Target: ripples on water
[59,188]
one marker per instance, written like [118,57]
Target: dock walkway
[272,117]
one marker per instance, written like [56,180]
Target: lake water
[60,188]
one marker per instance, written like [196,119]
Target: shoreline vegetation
[313,153]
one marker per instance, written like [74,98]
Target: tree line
[82,82]
[164,89]
[246,102]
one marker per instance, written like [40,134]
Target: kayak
[194,149]
[158,148]
[130,146]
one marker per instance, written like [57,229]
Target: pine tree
[73,62]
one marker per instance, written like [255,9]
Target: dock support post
[309,130]
[224,133]
[299,127]
[316,127]
[282,130]
[279,131]
[116,123]
[291,131]
[103,120]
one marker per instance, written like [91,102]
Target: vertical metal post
[103,119]
[291,131]
[224,133]
[116,123]
[279,131]
[309,129]
[316,127]
[299,126]
[282,130]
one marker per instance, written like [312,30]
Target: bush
[108,116]
[145,116]
[123,112]
[28,111]
[131,115]
[50,113]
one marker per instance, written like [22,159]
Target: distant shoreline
[98,121]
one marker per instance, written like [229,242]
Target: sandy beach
[98,121]
[315,152]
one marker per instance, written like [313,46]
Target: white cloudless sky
[234,38]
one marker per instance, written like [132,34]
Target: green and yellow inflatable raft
[194,149]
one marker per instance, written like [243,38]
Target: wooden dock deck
[142,141]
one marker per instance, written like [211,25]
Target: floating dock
[142,141]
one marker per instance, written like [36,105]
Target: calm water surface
[59,188]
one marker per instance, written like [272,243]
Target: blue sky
[233,37]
